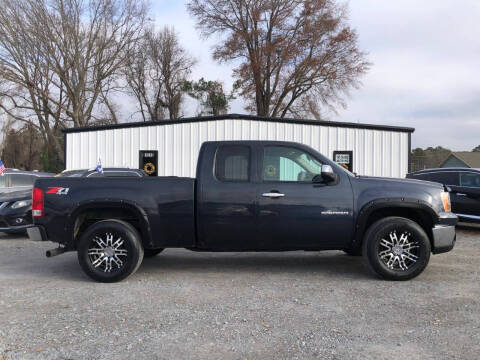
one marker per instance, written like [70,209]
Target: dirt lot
[236,306]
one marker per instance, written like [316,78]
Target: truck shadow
[14,236]
[28,265]
[469,227]
[331,263]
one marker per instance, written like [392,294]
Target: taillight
[37,202]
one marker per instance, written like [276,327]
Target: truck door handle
[273,195]
[461,194]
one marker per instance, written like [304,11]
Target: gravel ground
[183,304]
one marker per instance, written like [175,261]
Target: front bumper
[15,222]
[37,233]
[444,235]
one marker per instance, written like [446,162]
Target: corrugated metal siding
[375,152]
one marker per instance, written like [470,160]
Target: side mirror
[327,176]
[318,179]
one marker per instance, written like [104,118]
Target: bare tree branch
[291,52]
[156,72]
[59,60]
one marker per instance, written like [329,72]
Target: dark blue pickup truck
[247,196]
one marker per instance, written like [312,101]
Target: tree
[20,148]
[59,60]
[212,97]
[476,149]
[290,52]
[431,157]
[156,73]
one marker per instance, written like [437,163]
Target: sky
[425,70]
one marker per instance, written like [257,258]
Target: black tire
[129,253]
[148,253]
[353,252]
[379,258]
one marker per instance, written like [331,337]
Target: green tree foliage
[430,157]
[212,97]
[477,149]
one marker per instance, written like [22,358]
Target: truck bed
[166,202]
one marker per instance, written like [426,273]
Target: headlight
[21,203]
[446,201]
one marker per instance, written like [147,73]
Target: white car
[14,180]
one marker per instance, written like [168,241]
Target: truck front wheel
[396,248]
[110,250]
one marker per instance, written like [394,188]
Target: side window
[421,177]
[469,179]
[287,164]
[21,180]
[3,181]
[232,163]
[446,178]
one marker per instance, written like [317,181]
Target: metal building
[171,147]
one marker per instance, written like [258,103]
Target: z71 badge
[58,190]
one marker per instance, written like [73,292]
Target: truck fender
[393,203]
[83,206]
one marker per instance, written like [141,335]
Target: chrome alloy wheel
[107,254]
[398,253]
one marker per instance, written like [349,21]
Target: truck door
[466,196]
[295,213]
[227,194]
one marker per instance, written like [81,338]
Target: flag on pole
[99,167]
[2,168]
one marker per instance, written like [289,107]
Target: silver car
[15,180]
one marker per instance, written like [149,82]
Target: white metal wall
[375,152]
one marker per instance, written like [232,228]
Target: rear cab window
[233,163]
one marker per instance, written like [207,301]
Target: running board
[473,217]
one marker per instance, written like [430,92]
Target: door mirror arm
[318,179]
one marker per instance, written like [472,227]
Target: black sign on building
[344,158]
[149,162]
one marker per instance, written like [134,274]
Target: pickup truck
[247,196]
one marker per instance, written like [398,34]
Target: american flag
[99,167]
[2,167]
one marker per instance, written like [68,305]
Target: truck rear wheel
[396,248]
[110,250]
